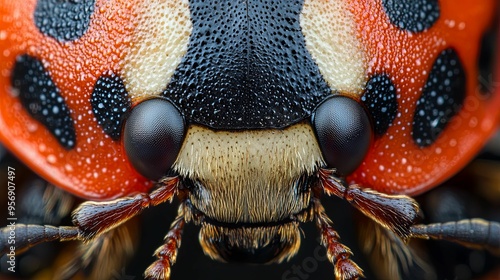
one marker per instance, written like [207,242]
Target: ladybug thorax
[239,65]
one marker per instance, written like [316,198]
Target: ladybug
[247,112]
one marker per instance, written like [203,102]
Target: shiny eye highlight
[344,133]
[153,136]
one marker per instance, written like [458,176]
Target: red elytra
[97,167]
[395,164]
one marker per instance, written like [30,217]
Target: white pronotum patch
[248,175]
[157,47]
[330,36]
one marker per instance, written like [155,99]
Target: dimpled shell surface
[96,167]
[396,163]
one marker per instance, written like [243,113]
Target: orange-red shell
[396,164]
[97,167]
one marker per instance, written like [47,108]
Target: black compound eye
[153,136]
[344,133]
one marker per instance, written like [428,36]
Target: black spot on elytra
[110,103]
[381,101]
[412,15]
[64,20]
[42,99]
[246,66]
[442,97]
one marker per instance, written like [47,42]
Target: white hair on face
[249,175]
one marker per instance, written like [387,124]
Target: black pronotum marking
[381,101]
[42,99]
[110,104]
[246,66]
[62,19]
[412,15]
[442,97]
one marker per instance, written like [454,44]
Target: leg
[395,212]
[399,214]
[90,219]
[337,253]
[472,233]
[167,253]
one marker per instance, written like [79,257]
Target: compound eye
[153,136]
[344,133]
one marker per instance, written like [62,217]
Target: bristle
[105,255]
[254,168]
[392,258]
